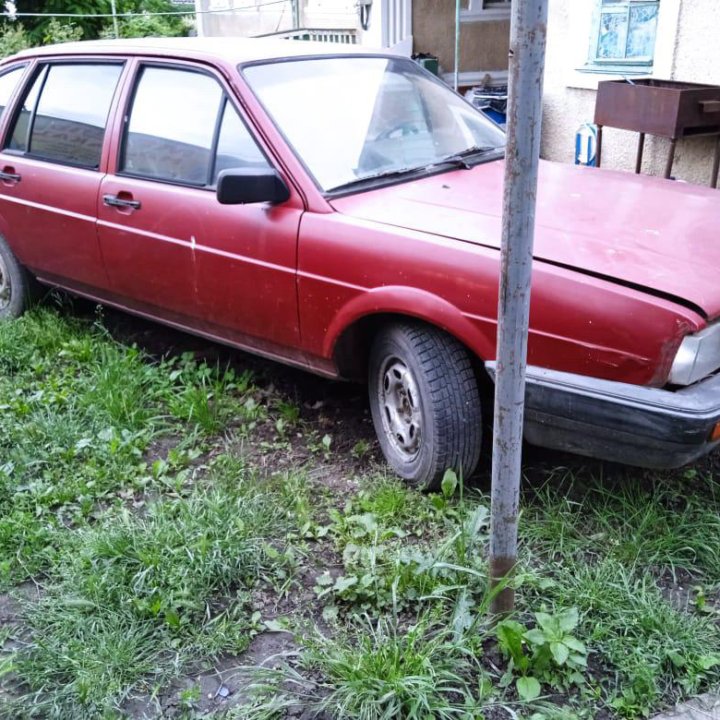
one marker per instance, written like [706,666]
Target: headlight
[697,357]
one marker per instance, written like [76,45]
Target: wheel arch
[350,335]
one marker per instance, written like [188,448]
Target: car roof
[234,50]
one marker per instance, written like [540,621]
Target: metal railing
[342,36]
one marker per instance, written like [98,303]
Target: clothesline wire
[12,15]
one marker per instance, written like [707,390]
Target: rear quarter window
[9,80]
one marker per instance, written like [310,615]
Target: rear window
[64,113]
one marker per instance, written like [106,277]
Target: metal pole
[114,19]
[457,45]
[296,14]
[527,60]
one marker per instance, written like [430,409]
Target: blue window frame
[623,36]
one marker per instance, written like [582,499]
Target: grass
[398,547]
[386,671]
[653,521]
[391,667]
[612,544]
[139,596]
[79,413]
[157,546]
[654,649]
[601,546]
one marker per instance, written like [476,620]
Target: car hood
[645,232]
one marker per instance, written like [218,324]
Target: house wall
[483,45]
[687,49]
[224,20]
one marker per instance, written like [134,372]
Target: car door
[50,170]
[169,245]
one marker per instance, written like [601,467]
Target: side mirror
[241,186]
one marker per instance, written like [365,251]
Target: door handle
[119,202]
[8,174]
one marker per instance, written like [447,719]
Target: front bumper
[631,424]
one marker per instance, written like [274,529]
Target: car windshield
[353,119]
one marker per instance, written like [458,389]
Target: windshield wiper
[462,159]
[382,174]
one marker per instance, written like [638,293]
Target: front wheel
[15,284]
[425,403]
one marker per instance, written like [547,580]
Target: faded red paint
[287,281]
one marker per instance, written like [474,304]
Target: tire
[425,403]
[16,286]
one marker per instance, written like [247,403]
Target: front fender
[411,302]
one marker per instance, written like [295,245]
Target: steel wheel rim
[400,408]
[5,288]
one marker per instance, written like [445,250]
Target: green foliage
[137,589]
[603,547]
[449,483]
[38,28]
[49,29]
[385,561]
[211,398]
[320,445]
[550,653]
[655,649]
[382,670]
[146,25]
[386,505]
[78,412]
[360,449]
[61,32]
[654,523]
[555,646]
[152,555]
[13,39]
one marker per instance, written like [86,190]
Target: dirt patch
[12,636]
[679,588]
[210,692]
[9,609]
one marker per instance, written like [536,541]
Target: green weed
[658,524]
[211,398]
[649,649]
[549,653]
[78,412]
[139,597]
[385,670]
[399,546]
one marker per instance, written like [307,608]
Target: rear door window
[8,82]
[64,114]
[182,129]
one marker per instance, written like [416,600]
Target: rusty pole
[456,70]
[528,31]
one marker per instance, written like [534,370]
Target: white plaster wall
[226,20]
[689,50]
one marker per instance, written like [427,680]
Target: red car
[340,211]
